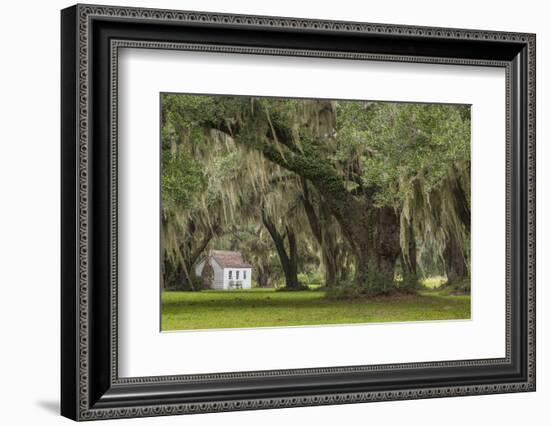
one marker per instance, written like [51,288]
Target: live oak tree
[373,179]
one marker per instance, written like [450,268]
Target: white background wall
[29,213]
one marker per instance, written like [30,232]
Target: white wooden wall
[221,275]
[219,279]
[246,282]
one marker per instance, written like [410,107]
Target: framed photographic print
[263,212]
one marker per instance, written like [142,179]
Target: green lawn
[270,308]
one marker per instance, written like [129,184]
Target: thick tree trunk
[387,243]
[331,268]
[289,261]
[408,254]
[462,205]
[455,264]
[357,227]
[454,254]
[317,223]
[373,235]
[362,276]
[407,258]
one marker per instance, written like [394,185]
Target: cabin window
[244,275]
[230,275]
[237,273]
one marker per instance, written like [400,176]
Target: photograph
[280,212]
[272,208]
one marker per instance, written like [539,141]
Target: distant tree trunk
[184,280]
[292,275]
[289,261]
[262,277]
[169,274]
[207,275]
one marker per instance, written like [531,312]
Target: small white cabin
[228,270]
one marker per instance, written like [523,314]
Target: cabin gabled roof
[229,259]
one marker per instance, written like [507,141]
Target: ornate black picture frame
[91,388]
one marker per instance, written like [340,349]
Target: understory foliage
[359,197]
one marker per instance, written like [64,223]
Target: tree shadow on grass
[252,301]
